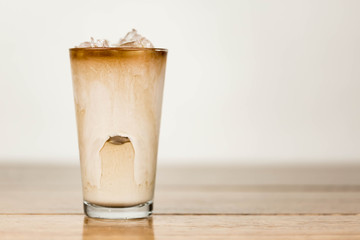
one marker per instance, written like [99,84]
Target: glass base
[143,210]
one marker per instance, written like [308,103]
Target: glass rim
[118,49]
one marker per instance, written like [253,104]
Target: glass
[118,98]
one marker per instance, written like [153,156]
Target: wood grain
[194,202]
[57,189]
[297,175]
[180,227]
[298,202]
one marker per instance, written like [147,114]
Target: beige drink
[118,97]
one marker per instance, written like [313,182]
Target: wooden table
[233,202]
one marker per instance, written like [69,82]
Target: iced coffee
[118,93]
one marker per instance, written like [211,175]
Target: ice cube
[84,45]
[133,39]
[99,43]
[118,140]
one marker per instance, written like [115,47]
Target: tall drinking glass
[118,97]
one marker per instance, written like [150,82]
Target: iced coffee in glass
[118,93]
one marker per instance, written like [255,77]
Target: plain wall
[247,81]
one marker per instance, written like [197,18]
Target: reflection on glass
[117,229]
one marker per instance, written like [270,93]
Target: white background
[255,82]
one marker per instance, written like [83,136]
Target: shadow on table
[117,229]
